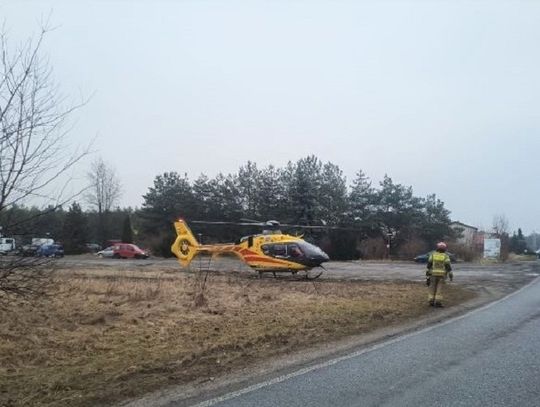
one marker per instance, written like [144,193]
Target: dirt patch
[100,340]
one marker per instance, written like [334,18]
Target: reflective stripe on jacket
[440,263]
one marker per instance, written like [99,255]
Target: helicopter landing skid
[314,274]
[311,274]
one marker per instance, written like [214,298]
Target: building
[468,233]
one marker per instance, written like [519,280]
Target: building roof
[461,224]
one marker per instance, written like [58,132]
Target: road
[488,357]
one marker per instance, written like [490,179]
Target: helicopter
[270,251]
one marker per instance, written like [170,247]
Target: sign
[492,248]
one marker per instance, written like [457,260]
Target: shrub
[372,248]
[463,252]
[412,248]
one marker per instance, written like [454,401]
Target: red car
[128,251]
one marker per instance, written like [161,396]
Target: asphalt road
[488,357]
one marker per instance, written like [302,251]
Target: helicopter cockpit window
[280,250]
[274,249]
[311,250]
[294,250]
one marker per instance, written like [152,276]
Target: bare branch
[33,153]
[24,277]
[104,190]
[34,124]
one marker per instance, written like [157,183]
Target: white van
[7,244]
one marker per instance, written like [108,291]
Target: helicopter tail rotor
[185,246]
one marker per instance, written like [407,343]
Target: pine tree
[75,230]
[127,231]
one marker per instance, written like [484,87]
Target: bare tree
[500,225]
[32,124]
[103,192]
[33,150]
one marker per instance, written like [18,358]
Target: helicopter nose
[324,257]
[320,258]
[316,261]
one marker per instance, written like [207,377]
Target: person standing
[438,268]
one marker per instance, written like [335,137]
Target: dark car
[423,258]
[28,250]
[50,250]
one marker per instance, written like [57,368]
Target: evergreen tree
[435,221]
[362,210]
[398,211]
[272,200]
[332,199]
[171,197]
[248,185]
[202,195]
[518,243]
[127,231]
[304,190]
[48,223]
[75,230]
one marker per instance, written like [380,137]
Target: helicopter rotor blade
[321,227]
[207,222]
[247,220]
[276,224]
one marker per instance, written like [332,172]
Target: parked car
[7,245]
[128,251]
[106,253]
[92,247]
[50,250]
[423,258]
[28,250]
[123,251]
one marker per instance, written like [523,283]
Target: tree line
[72,227]
[305,192]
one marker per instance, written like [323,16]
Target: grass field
[96,340]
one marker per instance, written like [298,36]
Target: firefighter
[438,268]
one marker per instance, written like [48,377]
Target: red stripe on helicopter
[247,252]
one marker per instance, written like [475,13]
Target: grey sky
[443,96]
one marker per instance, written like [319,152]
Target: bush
[160,245]
[372,248]
[342,246]
[463,252]
[412,248]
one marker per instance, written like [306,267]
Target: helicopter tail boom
[185,247]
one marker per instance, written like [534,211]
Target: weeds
[99,340]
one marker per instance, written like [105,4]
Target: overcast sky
[442,96]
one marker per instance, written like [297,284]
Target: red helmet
[442,246]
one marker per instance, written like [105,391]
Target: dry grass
[100,340]
[522,257]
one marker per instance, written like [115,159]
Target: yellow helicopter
[270,251]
